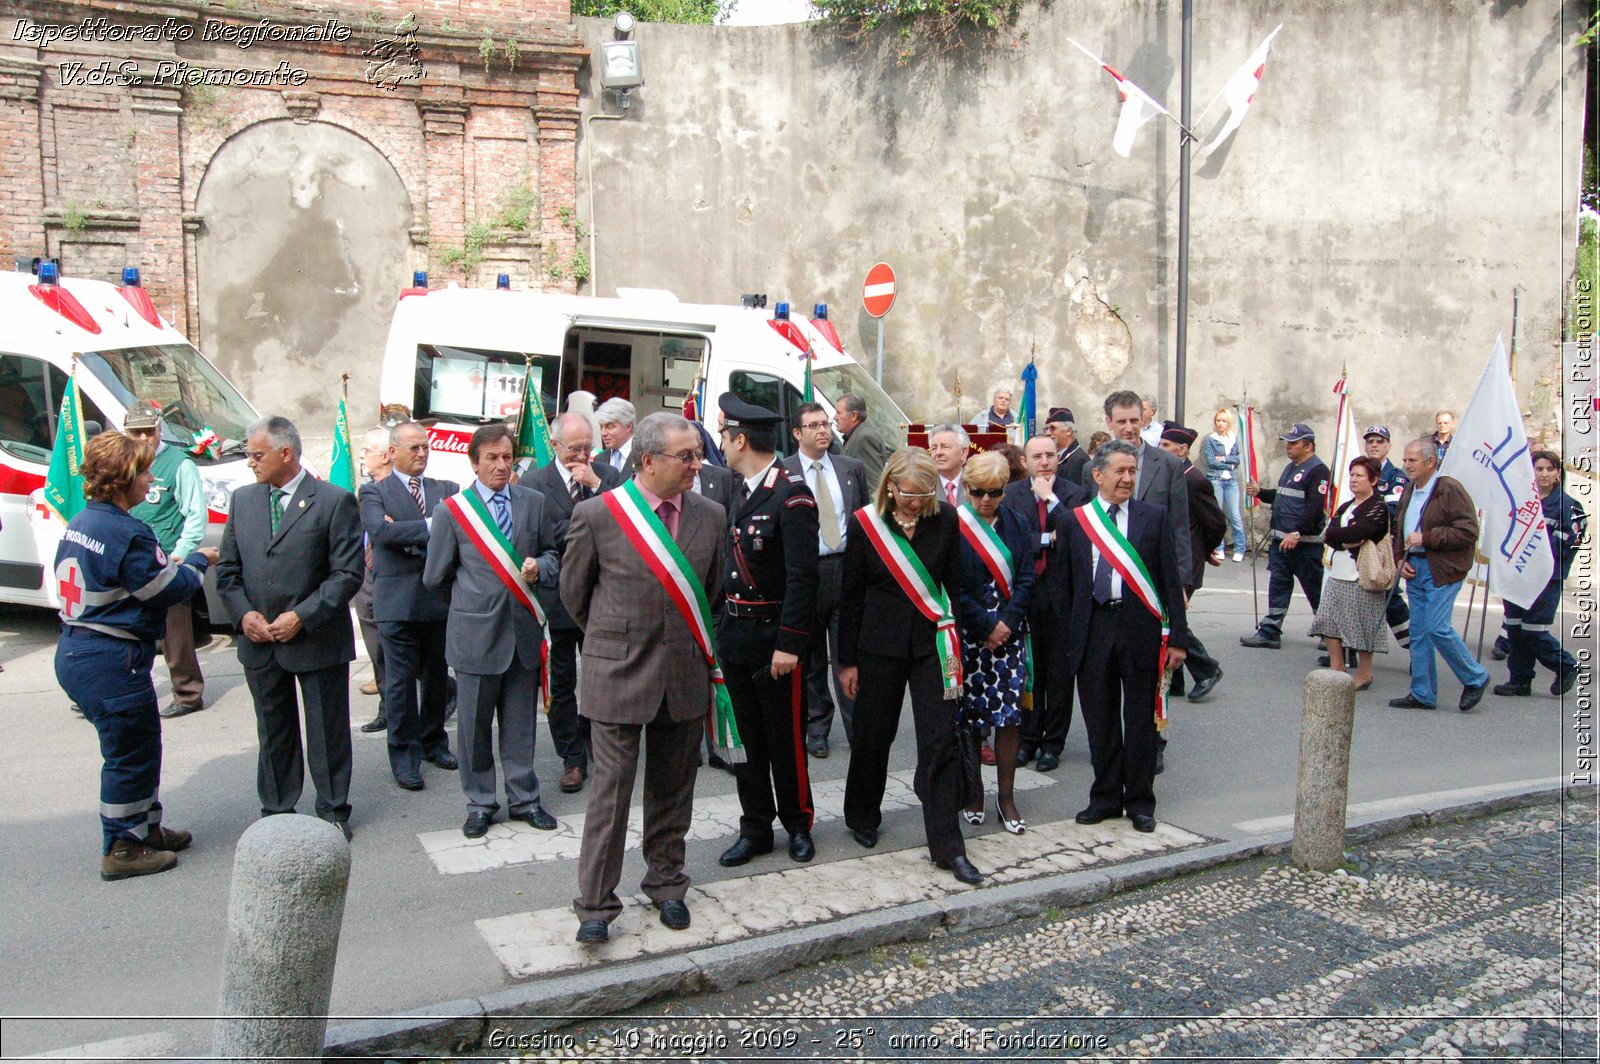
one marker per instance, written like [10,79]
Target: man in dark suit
[486,554]
[567,481]
[862,441]
[1044,500]
[717,483]
[949,446]
[291,562]
[1114,640]
[1160,475]
[615,418]
[1207,525]
[645,675]
[396,515]
[839,485]
[1071,458]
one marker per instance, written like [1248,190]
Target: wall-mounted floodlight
[623,24]
[620,70]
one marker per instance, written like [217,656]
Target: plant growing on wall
[700,12]
[486,48]
[512,215]
[512,51]
[74,218]
[934,25]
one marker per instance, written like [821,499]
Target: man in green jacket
[175,508]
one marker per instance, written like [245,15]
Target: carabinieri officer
[116,584]
[771,588]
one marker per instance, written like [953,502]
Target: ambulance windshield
[194,396]
[850,377]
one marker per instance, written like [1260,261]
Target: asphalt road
[94,961]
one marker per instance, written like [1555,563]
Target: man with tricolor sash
[642,570]
[1127,632]
[489,548]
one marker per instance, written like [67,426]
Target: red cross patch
[70,587]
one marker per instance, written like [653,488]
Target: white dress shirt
[1094,552]
[831,476]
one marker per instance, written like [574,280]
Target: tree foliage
[937,23]
[704,12]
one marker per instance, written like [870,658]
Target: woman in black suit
[899,649]
[1351,616]
[994,630]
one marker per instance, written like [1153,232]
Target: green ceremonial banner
[342,472]
[533,431]
[63,485]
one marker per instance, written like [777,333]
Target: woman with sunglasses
[902,576]
[997,554]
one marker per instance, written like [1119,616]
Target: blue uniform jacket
[113,577]
[977,622]
[1567,525]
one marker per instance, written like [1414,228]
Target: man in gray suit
[1160,474]
[565,482]
[291,562]
[644,675]
[492,637]
[615,418]
[863,442]
[949,446]
[839,484]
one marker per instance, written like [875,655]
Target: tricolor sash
[928,597]
[996,558]
[472,514]
[1116,549]
[651,539]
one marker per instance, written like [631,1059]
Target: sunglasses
[986,493]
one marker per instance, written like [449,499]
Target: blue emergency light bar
[503,281]
[49,273]
[820,312]
[130,277]
[782,313]
[419,279]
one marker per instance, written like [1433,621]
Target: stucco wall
[1404,166]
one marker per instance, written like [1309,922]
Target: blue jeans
[1432,628]
[1229,498]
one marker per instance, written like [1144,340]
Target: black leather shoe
[1324,661]
[1513,690]
[1409,703]
[1094,816]
[817,746]
[1500,651]
[801,848]
[1024,755]
[962,869]
[1204,686]
[377,723]
[477,826]
[1471,696]
[444,759]
[1047,761]
[1260,641]
[742,851]
[867,837]
[674,913]
[716,762]
[1143,823]
[538,819]
[1565,682]
[409,781]
[1161,760]
[593,932]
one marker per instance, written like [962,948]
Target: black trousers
[774,781]
[1117,684]
[1045,728]
[823,657]
[1284,567]
[938,778]
[1199,662]
[280,775]
[568,731]
[413,656]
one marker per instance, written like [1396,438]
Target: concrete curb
[546,1004]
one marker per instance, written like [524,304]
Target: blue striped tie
[502,512]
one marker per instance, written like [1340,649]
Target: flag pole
[1472,596]
[1185,146]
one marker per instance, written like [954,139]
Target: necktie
[416,493]
[616,460]
[827,512]
[278,495]
[666,511]
[1102,567]
[502,512]
[742,494]
[1042,560]
[950,493]
[578,492]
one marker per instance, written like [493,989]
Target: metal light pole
[1180,370]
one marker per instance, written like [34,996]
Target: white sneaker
[1238,555]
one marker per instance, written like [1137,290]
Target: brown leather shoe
[572,779]
[172,840]
[370,687]
[128,859]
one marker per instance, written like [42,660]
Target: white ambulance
[456,357]
[125,350]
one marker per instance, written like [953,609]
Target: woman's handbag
[1375,568]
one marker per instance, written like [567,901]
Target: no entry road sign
[877,294]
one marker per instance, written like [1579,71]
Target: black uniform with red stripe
[771,588]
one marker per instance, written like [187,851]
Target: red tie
[1039,562]
[950,492]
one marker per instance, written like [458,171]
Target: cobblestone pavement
[1475,939]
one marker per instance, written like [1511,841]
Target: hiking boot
[128,859]
[1262,640]
[171,840]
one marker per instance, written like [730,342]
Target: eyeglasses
[586,449]
[687,457]
[911,494]
[812,426]
[986,493]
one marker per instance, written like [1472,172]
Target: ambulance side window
[30,400]
[775,394]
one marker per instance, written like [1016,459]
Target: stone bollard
[287,903]
[1326,721]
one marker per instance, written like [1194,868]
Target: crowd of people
[676,587]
